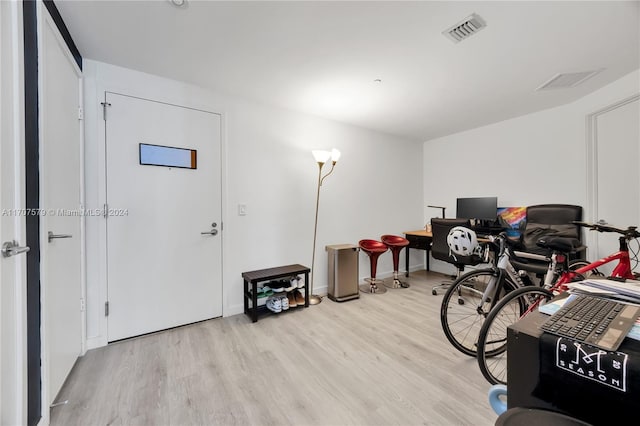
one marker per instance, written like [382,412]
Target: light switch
[242,209]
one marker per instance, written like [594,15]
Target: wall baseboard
[96,342]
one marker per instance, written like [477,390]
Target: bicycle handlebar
[630,232]
[499,242]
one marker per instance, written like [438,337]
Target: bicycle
[472,296]
[492,339]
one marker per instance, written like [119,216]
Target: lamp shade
[321,156]
[335,155]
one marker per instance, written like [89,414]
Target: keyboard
[599,322]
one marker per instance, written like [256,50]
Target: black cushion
[564,244]
[554,214]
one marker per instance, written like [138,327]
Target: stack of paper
[629,288]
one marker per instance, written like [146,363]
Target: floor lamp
[321,158]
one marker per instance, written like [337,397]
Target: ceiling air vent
[465,28]
[566,80]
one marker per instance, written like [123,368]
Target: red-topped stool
[395,244]
[373,249]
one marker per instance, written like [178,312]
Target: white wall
[534,159]
[376,187]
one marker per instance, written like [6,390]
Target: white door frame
[130,299]
[13,321]
[44,18]
[99,79]
[592,166]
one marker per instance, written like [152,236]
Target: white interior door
[162,270]
[13,349]
[617,137]
[61,240]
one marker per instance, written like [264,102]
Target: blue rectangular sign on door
[167,156]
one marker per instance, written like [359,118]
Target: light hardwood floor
[378,360]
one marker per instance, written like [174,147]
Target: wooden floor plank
[378,360]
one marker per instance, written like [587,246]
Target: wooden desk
[420,239]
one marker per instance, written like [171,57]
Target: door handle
[212,232]
[51,236]
[11,248]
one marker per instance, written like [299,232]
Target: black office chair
[551,219]
[440,249]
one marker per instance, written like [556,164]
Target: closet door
[615,137]
[61,239]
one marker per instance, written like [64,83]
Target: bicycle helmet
[462,241]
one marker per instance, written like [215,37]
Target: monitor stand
[484,226]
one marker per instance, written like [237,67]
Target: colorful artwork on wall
[513,219]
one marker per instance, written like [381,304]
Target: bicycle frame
[503,266]
[622,269]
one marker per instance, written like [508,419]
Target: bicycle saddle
[563,244]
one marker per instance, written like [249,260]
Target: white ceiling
[322,57]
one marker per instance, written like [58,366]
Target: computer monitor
[479,208]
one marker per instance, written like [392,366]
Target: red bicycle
[492,339]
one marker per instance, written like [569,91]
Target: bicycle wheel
[577,264]
[462,313]
[492,338]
